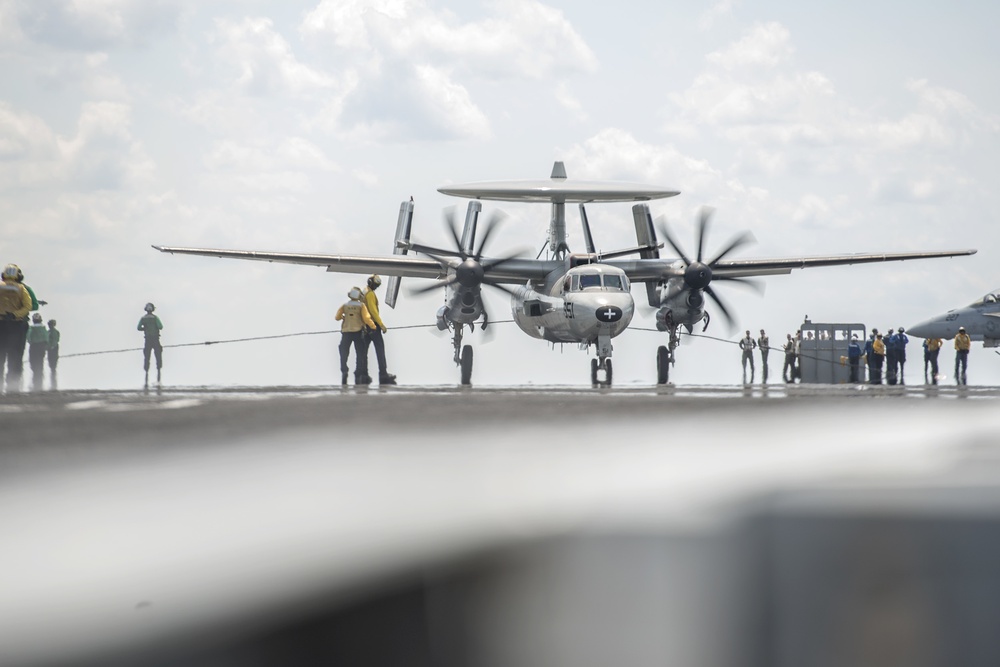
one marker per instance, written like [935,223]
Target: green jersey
[150,325]
[37,333]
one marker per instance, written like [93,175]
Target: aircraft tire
[607,372]
[662,365]
[467,365]
[593,372]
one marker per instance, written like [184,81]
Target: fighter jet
[980,318]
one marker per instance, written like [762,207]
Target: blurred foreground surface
[700,526]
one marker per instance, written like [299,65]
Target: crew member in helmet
[354,318]
[150,325]
[38,345]
[374,336]
[15,304]
[54,337]
[22,337]
[962,345]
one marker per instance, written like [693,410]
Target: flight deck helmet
[374,281]
[149,308]
[37,318]
[52,323]
[10,271]
[354,294]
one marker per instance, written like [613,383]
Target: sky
[301,126]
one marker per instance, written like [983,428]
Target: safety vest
[963,342]
[355,317]
[14,299]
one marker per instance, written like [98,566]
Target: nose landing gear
[599,367]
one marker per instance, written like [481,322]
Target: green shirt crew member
[38,346]
[54,337]
[150,325]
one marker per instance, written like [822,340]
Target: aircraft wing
[397,265]
[646,270]
[511,271]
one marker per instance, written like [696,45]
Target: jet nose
[921,330]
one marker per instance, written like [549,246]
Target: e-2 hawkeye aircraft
[582,298]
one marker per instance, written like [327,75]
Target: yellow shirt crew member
[354,318]
[962,344]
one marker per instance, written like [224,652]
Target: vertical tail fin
[645,234]
[588,239]
[403,226]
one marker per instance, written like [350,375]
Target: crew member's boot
[386,378]
[343,378]
[362,378]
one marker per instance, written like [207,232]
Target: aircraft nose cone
[919,330]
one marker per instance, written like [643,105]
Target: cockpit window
[613,282]
[590,280]
[988,299]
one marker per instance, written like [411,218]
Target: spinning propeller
[471,271]
[699,274]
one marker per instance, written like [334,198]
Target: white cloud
[102,154]
[264,59]
[765,45]
[411,68]
[522,38]
[723,9]
[90,24]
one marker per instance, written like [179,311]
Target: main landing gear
[463,355]
[665,357]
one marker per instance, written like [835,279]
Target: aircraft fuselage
[586,303]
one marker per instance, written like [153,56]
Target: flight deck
[723,525]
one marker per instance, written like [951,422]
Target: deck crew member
[354,317]
[901,341]
[15,304]
[764,344]
[932,348]
[788,370]
[962,345]
[891,363]
[54,337]
[748,344]
[374,336]
[878,352]
[870,354]
[38,346]
[150,325]
[854,358]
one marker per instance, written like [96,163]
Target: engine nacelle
[683,308]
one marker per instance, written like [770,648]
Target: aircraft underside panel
[563,320]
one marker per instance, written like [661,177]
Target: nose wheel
[600,368]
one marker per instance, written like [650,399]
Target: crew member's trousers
[373,337]
[788,371]
[355,338]
[961,359]
[36,359]
[152,347]
[13,334]
[932,357]
[855,364]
